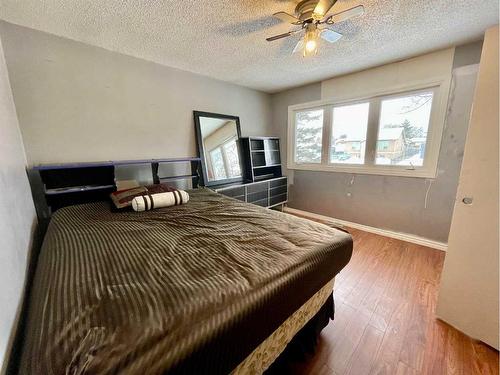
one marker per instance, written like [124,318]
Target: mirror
[219,147]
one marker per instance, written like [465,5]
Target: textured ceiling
[226,39]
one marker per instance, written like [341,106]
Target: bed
[212,286]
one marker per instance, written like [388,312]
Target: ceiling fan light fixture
[311,47]
[311,42]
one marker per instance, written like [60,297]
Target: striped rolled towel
[150,201]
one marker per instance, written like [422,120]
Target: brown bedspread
[185,289]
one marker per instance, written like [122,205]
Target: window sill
[419,172]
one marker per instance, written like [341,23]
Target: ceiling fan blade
[330,35]
[284,35]
[346,14]
[323,7]
[285,17]
[299,46]
[280,36]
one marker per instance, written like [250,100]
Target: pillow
[160,188]
[122,199]
[151,201]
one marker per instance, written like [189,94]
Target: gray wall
[87,103]
[387,202]
[17,215]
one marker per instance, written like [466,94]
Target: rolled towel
[150,201]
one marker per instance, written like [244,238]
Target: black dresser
[268,193]
[265,185]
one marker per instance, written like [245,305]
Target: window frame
[440,88]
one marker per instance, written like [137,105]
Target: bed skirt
[295,337]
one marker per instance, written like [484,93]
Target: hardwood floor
[384,322]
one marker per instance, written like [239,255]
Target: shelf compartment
[272,144]
[268,172]
[272,158]
[257,144]
[258,159]
[77,177]
[77,189]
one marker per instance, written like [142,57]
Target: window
[402,131]
[218,163]
[233,161]
[349,125]
[388,134]
[225,161]
[308,136]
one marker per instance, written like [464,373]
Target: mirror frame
[201,151]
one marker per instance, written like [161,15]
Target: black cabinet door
[256,187]
[278,182]
[278,199]
[237,192]
[260,195]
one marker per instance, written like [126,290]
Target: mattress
[186,289]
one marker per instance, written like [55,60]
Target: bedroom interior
[279,187]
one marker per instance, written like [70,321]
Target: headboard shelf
[58,185]
[42,167]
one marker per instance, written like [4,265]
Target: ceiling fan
[314,16]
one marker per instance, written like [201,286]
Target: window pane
[218,164]
[233,162]
[348,144]
[402,134]
[308,136]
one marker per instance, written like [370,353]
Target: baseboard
[383,232]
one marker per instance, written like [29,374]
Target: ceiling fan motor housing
[305,10]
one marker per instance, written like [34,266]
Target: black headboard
[59,185]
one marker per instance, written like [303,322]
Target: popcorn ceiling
[226,39]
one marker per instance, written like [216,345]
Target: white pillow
[150,201]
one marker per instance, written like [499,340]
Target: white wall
[17,215]
[432,66]
[76,102]
[468,297]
